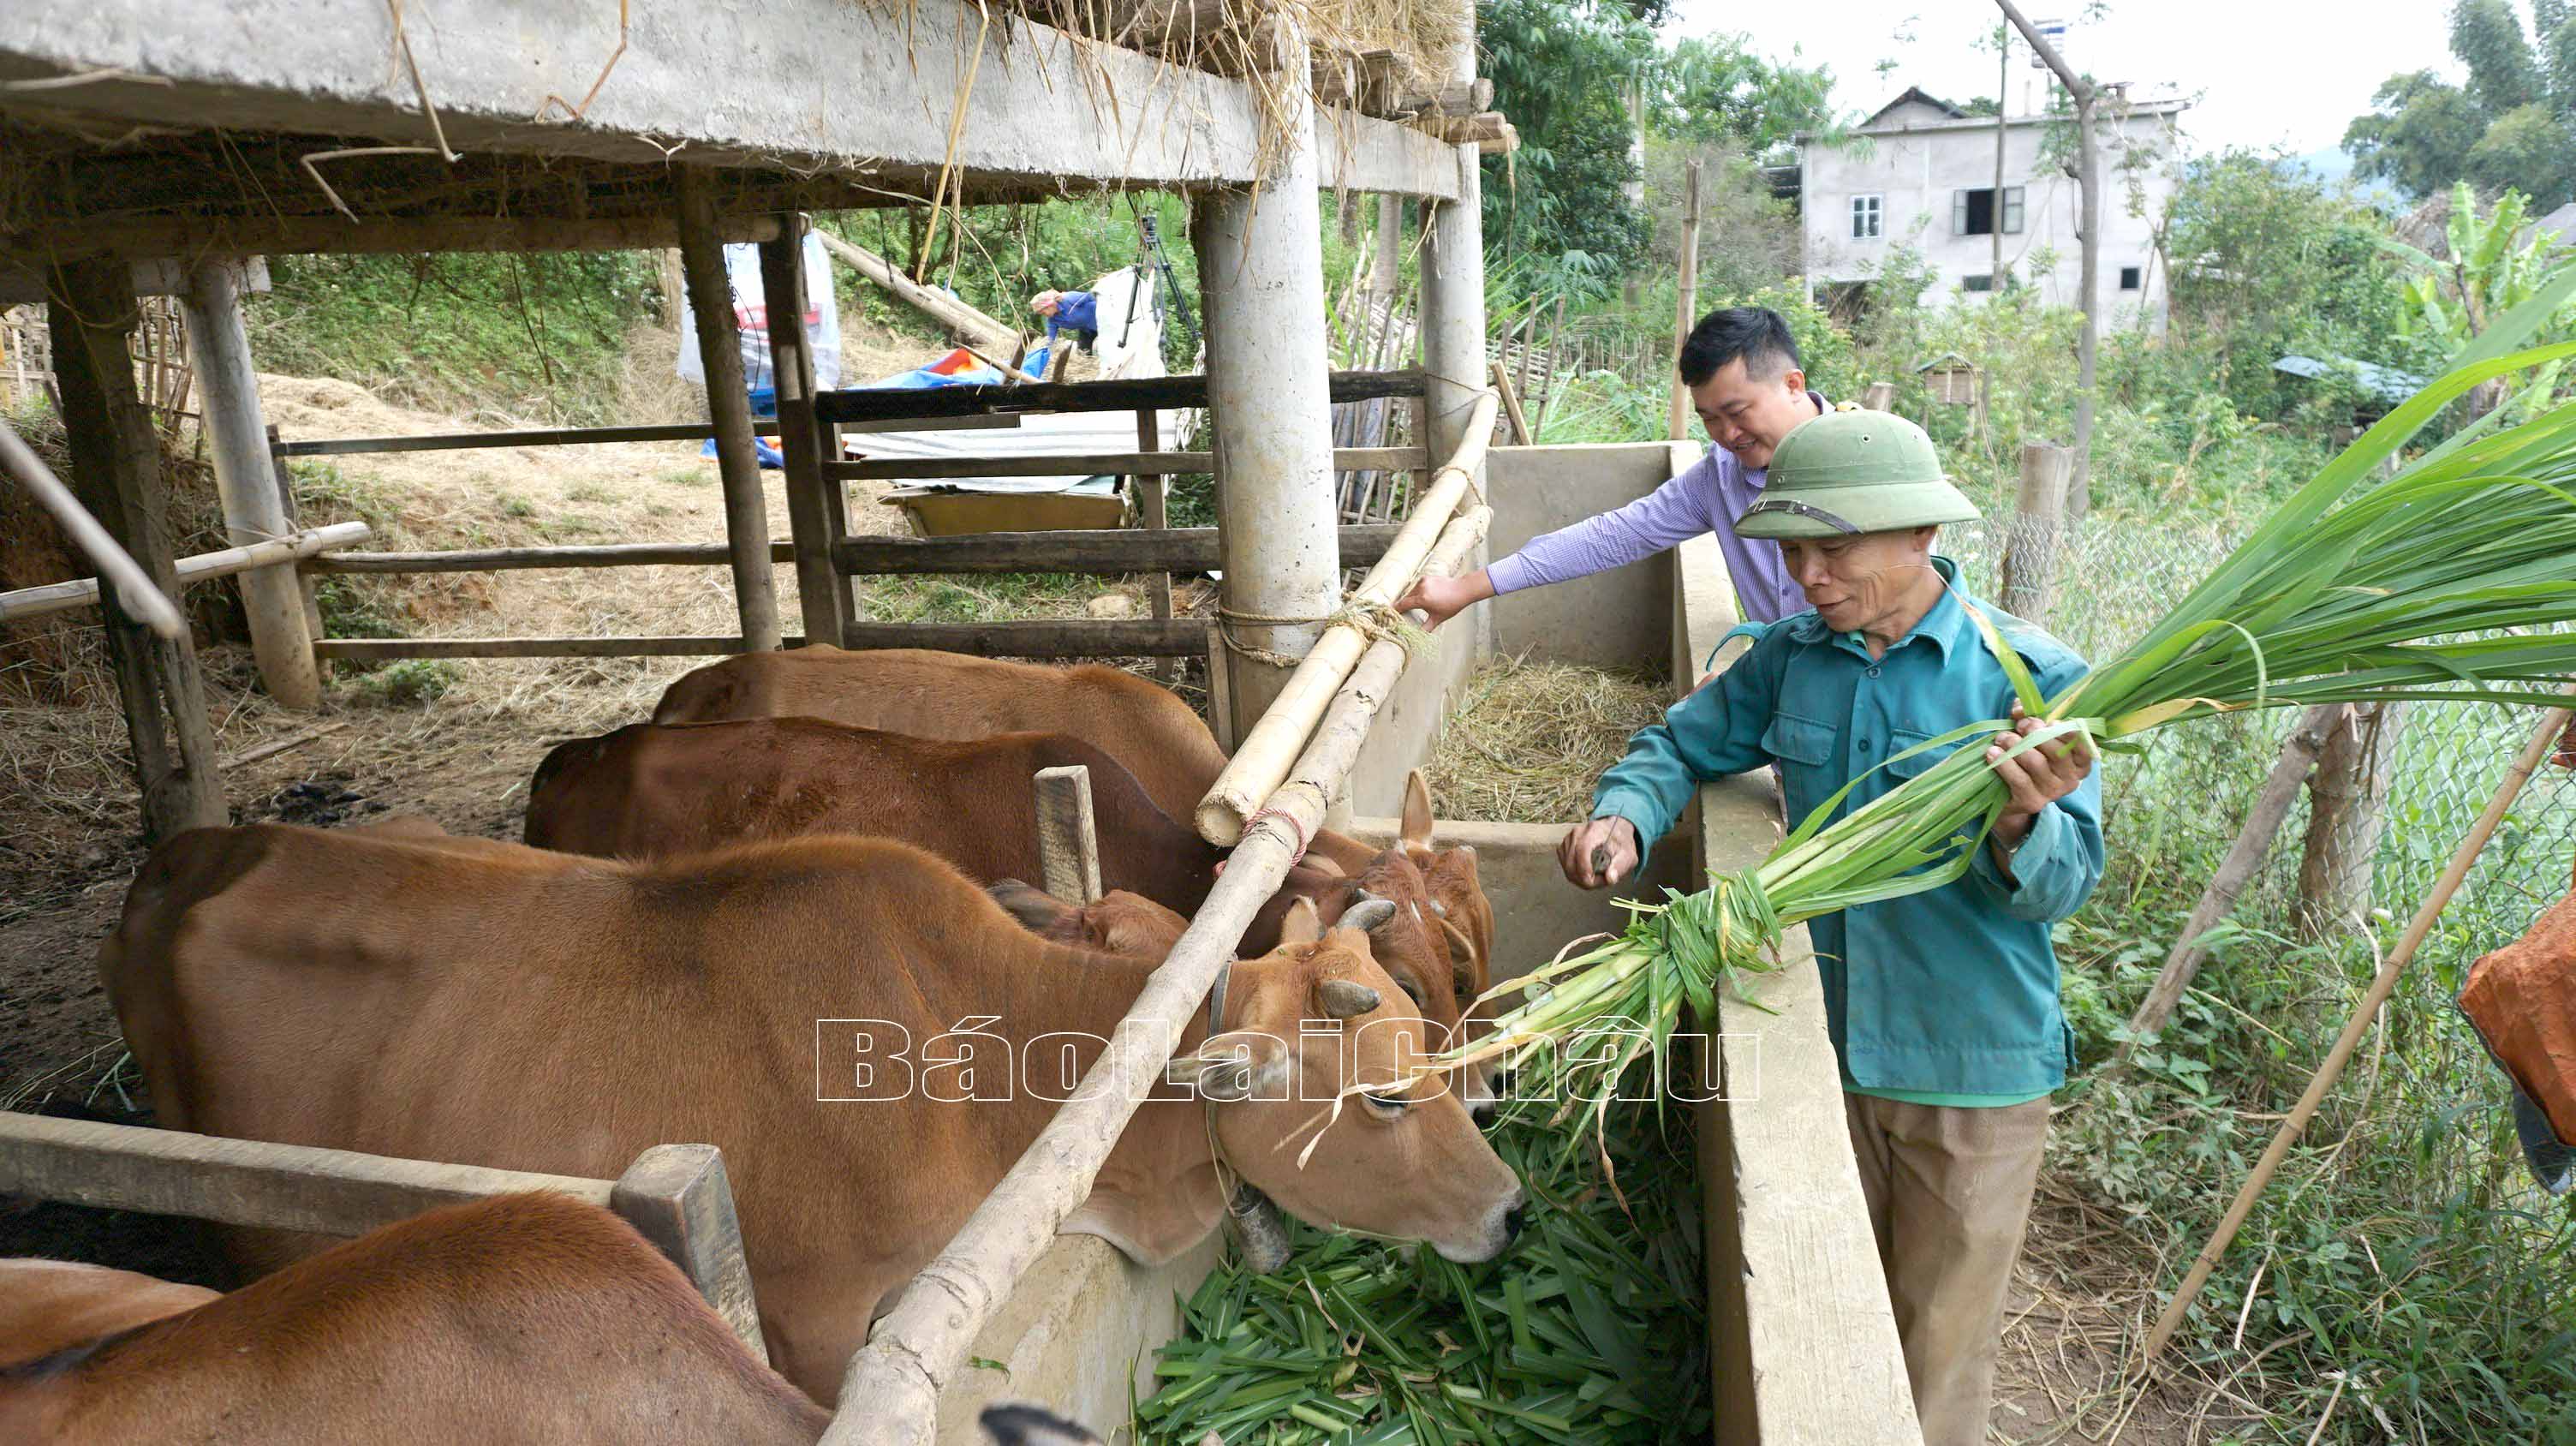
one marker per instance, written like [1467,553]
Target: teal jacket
[1952,990]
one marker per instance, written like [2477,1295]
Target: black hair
[1754,333]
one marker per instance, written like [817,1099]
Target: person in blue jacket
[1942,1006]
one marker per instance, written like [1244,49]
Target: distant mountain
[2329,164]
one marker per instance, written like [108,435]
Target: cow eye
[1411,990]
[1386,1107]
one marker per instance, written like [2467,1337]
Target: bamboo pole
[55,597]
[2262,823]
[890,1393]
[1263,758]
[974,325]
[134,590]
[2381,986]
[1512,403]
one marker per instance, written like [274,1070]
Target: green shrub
[409,682]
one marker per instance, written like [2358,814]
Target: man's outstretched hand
[1599,853]
[1441,598]
[2036,777]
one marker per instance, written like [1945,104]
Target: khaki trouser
[1949,1192]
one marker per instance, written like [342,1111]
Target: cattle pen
[163,148]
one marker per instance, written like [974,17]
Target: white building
[1921,173]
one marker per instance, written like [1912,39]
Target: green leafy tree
[1716,89]
[2511,125]
[1557,216]
[2492,263]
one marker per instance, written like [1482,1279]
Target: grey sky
[2292,72]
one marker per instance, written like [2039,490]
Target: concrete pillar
[1261,279]
[246,479]
[1453,314]
[1386,271]
[729,408]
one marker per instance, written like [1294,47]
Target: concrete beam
[826,85]
[154,276]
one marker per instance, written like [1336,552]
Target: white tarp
[751,316]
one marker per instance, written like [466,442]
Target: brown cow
[1153,735]
[531,1010]
[650,790]
[527,1318]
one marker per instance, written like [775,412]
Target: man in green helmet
[1943,1006]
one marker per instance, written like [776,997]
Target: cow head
[1399,1158]
[1457,893]
[1121,923]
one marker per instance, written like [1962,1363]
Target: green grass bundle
[2454,579]
[1590,1330]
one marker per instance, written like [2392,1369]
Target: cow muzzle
[1502,1221]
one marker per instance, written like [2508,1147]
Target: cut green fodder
[1589,1330]
[1531,737]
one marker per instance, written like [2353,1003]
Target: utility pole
[2088,181]
[1995,209]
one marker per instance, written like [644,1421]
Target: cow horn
[1370,913]
[1439,909]
[1344,999]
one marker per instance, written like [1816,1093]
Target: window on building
[1982,281]
[1868,217]
[2132,278]
[1973,213]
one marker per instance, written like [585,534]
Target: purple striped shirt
[1707,497]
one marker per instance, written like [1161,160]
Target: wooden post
[1678,414]
[228,404]
[822,593]
[729,408]
[1262,281]
[1879,396]
[2243,857]
[2030,553]
[2347,806]
[1068,841]
[1153,501]
[116,471]
[2382,985]
[677,1197]
[304,584]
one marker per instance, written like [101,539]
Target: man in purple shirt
[1741,366]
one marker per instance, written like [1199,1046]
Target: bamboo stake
[1261,762]
[2262,824]
[1512,404]
[890,1393]
[2381,987]
[55,597]
[134,589]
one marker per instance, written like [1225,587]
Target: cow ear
[1302,924]
[1416,827]
[1038,911]
[1245,1064]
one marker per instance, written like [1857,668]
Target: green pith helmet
[1853,471]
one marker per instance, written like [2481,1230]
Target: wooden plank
[54,597]
[1068,839]
[746,505]
[1154,507]
[116,473]
[1042,638]
[677,1197]
[1094,464]
[1802,1338]
[1106,551]
[379,650]
[244,1182]
[1126,395]
[585,436]
[822,593]
[338,235]
[520,559]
